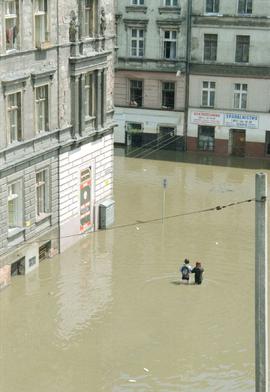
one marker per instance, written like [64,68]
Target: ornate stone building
[56,121]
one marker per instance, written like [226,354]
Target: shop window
[206,138]
[42,193]
[210,47]
[168,95]
[137,43]
[166,131]
[267,142]
[134,127]
[242,49]
[208,94]
[41,22]
[240,96]
[245,7]
[14,117]
[14,206]
[169,44]
[212,6]
[136,93]
[11,24]
[42,108]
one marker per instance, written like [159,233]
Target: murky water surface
[110,314]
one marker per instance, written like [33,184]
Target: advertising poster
[85,200]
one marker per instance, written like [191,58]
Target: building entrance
[237,142]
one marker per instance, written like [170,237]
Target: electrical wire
[138,222]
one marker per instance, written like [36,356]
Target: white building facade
[229,81]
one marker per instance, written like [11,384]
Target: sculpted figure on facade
[102,22]
[73,27]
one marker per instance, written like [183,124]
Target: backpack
[185,270]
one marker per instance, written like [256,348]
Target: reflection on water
[111,314]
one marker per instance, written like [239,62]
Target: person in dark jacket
[198,271]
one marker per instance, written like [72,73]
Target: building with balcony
[56,140]
[150,88]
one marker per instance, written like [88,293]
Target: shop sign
[235,120]
[207,118]
[85,201]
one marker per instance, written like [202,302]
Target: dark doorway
[238,142]
[18,267]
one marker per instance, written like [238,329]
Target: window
[212,6]
[41,193]
[240,96]
[245,7]
[168,95]
[242,49]
[208,94]
[11,24]
[42,109]
[14,205]
[89,95]
[267,142]
[169,44]
[134,127]
[210,47]
[137,42]
[14,117]
[137,2]
[41,22]
[206,138]
[165,131]
[136,93]
[170,3]
[90,18]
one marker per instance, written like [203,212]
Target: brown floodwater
[111,315]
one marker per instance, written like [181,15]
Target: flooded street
[111,315]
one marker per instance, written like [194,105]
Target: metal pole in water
[165,183]
[261,282]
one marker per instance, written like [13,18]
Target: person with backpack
[185,270]
[198,271]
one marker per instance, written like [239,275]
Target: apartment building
[150,72]
[229,83]
[56,139]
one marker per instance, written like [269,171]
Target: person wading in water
[185,270]
[198,271]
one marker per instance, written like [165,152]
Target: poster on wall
[237,120]
[85,200]
[206,118]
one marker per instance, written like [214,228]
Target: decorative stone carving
[73,28]
[102,22]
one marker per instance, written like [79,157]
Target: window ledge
[169,10]
[136,8]
[43,217]
[43,45]
[15,231]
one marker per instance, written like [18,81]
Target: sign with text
[207,118]
[236,120]
[85,200]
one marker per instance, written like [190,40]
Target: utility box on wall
[106,214]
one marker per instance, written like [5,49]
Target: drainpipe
[188,50]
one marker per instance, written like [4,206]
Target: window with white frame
[11,24]
[42,108]
[168,95]
[41,193]
[90,23]
[212,6]
[240,96]
[169,42]
[137,2]
[41,22]
[137,42]
[208,93]
[245,7]
[14,117]
[89,95]
[170,3]
[15,205]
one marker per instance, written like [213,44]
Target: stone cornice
[232,70]
[231,21]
